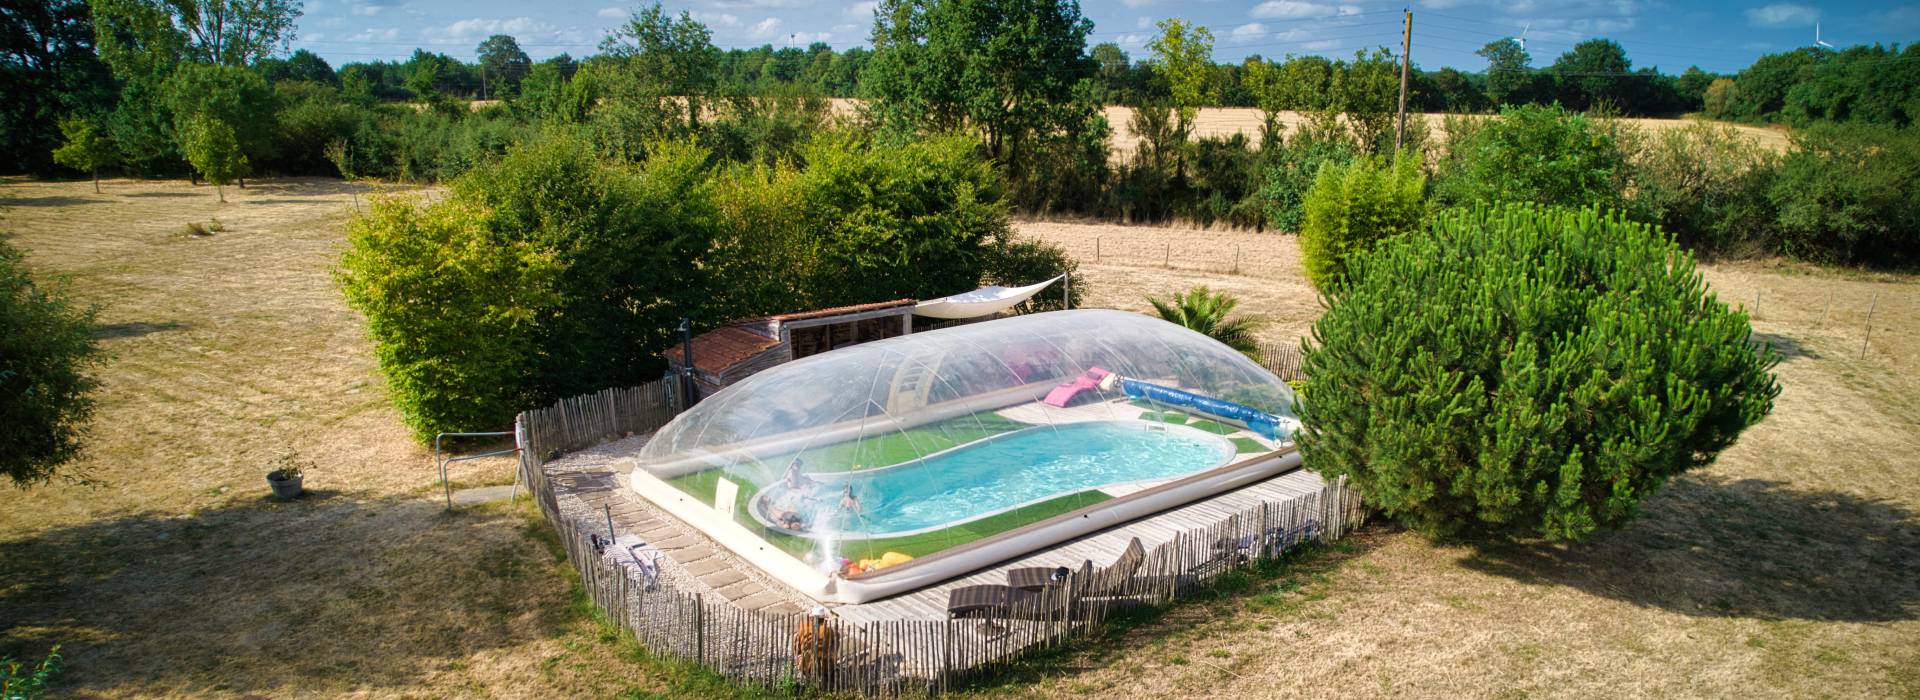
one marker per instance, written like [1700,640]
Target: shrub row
[554,270]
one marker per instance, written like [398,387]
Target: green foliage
[236,97]
[671,62]
[1708,186]
[212,149]
[898,222]
[1013,261]
[46,352]
[1183,56]
[1846,194]
[1210,313]
[1544,155]
[48,71]
[548,273]
[1291,169]
[502,64]
[1355,205]
[1015,70]
[19,681]
[1522,371]
[1510,77]
[553,271]
[87,148]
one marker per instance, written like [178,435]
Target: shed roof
[718,350]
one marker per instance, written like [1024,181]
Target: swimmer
[849,502]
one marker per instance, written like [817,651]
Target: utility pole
[1406,48]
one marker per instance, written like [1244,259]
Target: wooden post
[1236,259]
[1166,260]
[699,629]
[1829,309]
[1869,336]
[1066,291]
[1406,47]
[1096,250]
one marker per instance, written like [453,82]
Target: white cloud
[1781,15]
[388,34]
[804,38]
[1137,3]
[846,28]
[1322,45]
[1249,30]
[863,10]
[611,13]
[765,29]
[367,10]
[1131,40]
[721,18]
[1299,9]
[1143,23]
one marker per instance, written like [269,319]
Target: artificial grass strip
[899,446]
[1247,445]
[1215,428]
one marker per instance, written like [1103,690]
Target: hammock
[979,302]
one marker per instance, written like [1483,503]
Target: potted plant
[285,477]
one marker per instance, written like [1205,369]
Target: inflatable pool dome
[887,466]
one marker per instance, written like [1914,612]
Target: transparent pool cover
[864,457]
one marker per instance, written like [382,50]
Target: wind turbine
[1816,36]
[1523,36]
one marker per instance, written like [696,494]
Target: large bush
[1707,185]
[1526,371]
[1543,155]
[893,222]
[555,271]
[1846,194]
[1351,206]
[546,274]
[46,350]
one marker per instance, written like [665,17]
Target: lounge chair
[995,601]
[1098,583]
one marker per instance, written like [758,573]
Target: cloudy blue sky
[1671,34]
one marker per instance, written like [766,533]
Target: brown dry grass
[176,577]
[1788,568]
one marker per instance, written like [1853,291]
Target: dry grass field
[175,576]
[1790,567]
[1227,121]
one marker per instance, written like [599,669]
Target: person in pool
[797,481]
[849,502]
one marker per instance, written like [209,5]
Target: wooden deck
[589,488]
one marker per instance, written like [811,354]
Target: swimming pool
[996,474]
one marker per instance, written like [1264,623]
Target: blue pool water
[1007,471]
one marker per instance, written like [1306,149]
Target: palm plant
[1207,312]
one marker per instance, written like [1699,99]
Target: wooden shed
[730,353]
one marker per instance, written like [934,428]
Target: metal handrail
[441,464]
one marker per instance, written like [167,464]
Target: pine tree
[1524,371]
